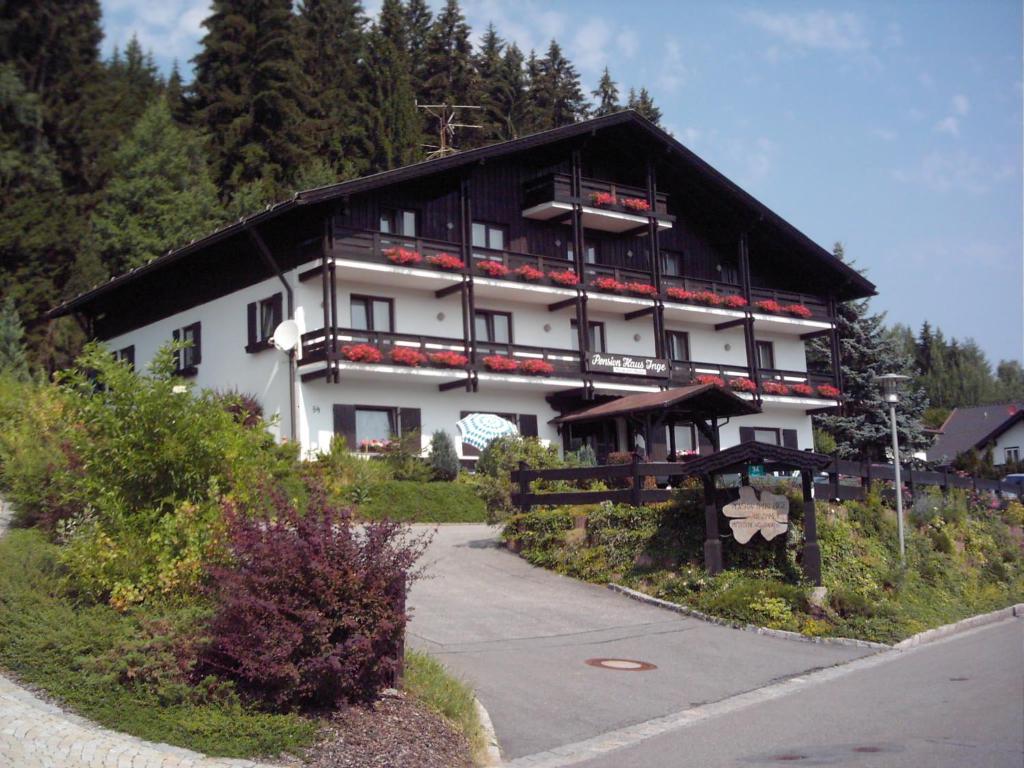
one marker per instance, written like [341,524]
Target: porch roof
[774,457]
[700,401]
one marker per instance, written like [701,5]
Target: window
[1011,455]
[489,236]
[595,336]
[493,327]
[589,252]
[398,221]
[671,263]
[677,344]
[374,425]
[686,440]
[126,355]
[186,360]
[364,425]
[767,435]
[372,313]
[765,355]
[263,318]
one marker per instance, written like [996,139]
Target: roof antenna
[446,125]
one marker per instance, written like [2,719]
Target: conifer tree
[606,95]
[159,196]
[174,95]
[418,24]
[250,94]
[556,91]
[13,360]
[451,77]
[644,105]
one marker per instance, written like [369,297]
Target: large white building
[471,283]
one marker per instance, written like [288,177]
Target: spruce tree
[250,94]
[174,95]
[451,77]
[556,91]
[13,360]
[444,460]
[606,95]
[643,103]
[418,24]
[159,196]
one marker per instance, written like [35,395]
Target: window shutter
[658,449]
[251,318]
[704,446]
[129,356]
[198,343]
[278,311]
[746,434]
[345,424]
[408,421]
[528,425]
[176,336]
[789,439]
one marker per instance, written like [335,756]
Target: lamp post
[890,392]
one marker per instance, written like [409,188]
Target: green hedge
[414,502]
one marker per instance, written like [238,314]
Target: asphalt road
[521,636]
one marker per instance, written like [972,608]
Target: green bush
[420,502]
[444,459]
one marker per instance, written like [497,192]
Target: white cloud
[961,105]
[949,125]
[884,134]
[171,29]
[823,30]
[590,46]
[957,171]
[674,71]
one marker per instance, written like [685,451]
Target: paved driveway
[520,635]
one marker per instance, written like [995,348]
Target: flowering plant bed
[566,277]
[446,261]
[603,199]
[536,368]
[637,204]
[742,385]
[493,268]
[641,289]
[361,353]
[775,388]
[532,274]
[707,378]
[608,284]
[501,364]
[402,256]
[797,310]
[804,390]
[733,301]
[708,298]
[374,446]
[827,390]
[449,359]
[769,305]
[408,356]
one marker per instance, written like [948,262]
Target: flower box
[603,199]
[769,305]
[797,310]
[641,289]
[607,284]
[531,274]
[449,359]
[408,356]
[742,385]
[361,353]
[637,204]
[493,268]
[501,364]
[446,261]
[707,378]
[536,368]
[402,256]
[774,388]
[566,277]
[374,446]
[827,390]
[734,301]
[804,390]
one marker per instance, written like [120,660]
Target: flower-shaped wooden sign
[749,514]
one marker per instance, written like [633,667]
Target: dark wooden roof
[973,427]
[774,457]
[849,283]
[700,401]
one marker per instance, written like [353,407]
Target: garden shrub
[307,611]
[409,501]
[444,459]
[496,463]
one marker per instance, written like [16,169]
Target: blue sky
[895,127]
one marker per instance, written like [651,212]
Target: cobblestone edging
[36,734]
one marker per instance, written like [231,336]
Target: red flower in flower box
[804,390]
[501,364]
[530,273]
[769,305]
[827,390]
[402,256]
[707,378]
[680,294]
[607,284]
[775,388]
[642,289]
[493,268]
[448,359]
[637,204]
[408,356]
[566,277]
[603,199]
[742,385]
[798,310]
[536,367]
[710,298]
[446,261]
[361,353]
[734,302]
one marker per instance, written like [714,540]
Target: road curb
[946,630]
[492,753]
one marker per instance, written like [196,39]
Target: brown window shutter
[658,448]
[746,434]
[197,344]
[408,420]
[528,425]
[278,311]
[129,355]
[251,319]
[789,439]
[345,424]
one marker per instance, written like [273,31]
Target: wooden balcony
[606,205]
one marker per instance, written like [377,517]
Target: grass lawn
[417,502]
[431,683]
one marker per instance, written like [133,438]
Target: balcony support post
[582,329]
[326,300]
[577,214]
[834,348]
[332,336]
[659,330]
[466,239]
[655,266]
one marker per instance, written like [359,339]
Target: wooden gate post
[524,488]
[812,552]
[636,496]
[712,541]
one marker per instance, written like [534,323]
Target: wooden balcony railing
[316,345]
[817,305]
[621,274]
[372,246]
[558,187]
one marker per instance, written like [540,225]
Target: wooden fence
[846,480]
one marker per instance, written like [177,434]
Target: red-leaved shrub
[310,610]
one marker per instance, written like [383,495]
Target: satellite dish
[286,336]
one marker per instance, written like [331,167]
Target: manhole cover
[622,665]
[958,679]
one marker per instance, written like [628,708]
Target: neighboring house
[978,427]
[682,275]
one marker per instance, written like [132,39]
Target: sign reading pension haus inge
[748,514]
[632,365]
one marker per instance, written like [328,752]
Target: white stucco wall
[1011,438]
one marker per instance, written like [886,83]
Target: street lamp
[890,392]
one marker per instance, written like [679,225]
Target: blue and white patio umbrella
[479,429]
